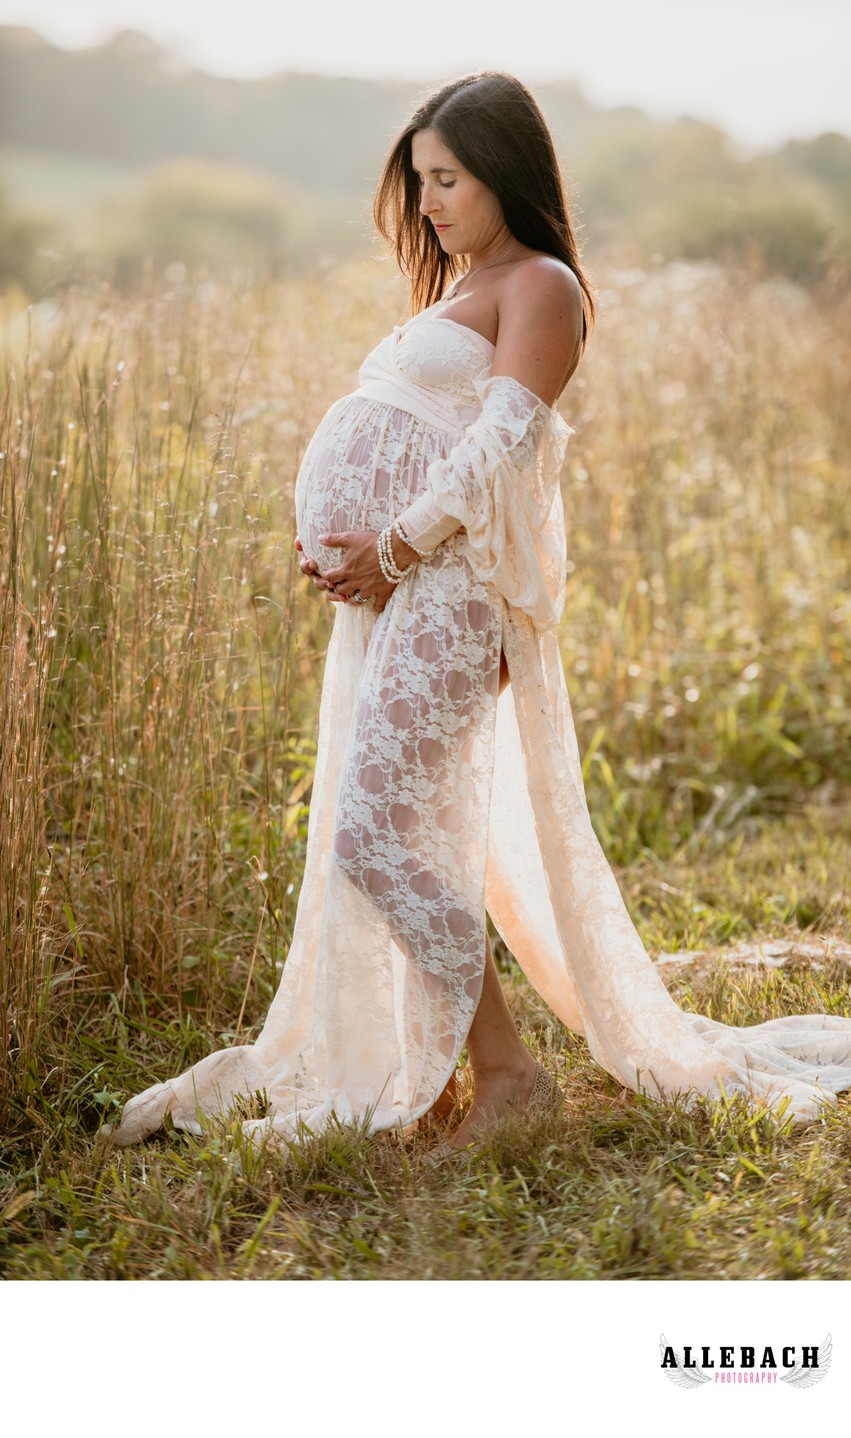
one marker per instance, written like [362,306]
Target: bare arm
[540,326]
[539,342]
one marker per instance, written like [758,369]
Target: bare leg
[503,670]
[503,1068]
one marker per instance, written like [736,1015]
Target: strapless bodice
[429,367]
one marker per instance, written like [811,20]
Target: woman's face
[466,215]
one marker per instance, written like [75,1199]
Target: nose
[429,199]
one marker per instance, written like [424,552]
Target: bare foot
[444,1106]
[497,1094]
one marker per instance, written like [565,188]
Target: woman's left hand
[359,572]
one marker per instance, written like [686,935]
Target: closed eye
[444,184]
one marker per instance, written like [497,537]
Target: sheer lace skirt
[432,791]
[384,971]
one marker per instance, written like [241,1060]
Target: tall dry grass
[159,695]
[162,657]
[708,622]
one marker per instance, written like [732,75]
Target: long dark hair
[492,123]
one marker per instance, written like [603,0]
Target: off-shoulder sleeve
[501,483]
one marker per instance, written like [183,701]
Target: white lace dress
[435,799]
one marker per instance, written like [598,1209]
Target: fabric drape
[435,798]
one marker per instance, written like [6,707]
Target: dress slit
[436,799]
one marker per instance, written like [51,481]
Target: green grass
[161,659]
[619,1187]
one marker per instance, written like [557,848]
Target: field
[161,668]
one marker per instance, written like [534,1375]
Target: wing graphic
[801,1377]
[683,1377]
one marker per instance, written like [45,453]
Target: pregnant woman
[448,782]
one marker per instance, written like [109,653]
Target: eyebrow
[440,170]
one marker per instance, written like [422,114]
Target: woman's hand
[359,571]
[310,568]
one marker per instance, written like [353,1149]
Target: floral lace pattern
[434,796]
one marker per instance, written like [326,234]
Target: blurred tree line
[122,154]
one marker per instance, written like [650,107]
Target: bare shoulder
[540,331]
[543,285]
[541,296]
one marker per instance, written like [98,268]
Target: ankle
[514,1066]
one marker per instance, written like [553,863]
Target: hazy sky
[765,69]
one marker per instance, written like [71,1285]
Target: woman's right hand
[310,568]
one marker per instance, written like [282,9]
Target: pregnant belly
[365,463]
[335,489]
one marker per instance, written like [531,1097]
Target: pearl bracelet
[389,568]
[397,525]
